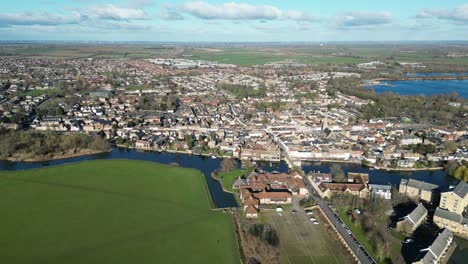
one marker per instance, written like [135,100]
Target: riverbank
[407,169]
[376,81]
[66,155]
[123,201]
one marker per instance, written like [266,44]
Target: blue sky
[217,20]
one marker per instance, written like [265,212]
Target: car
[308,212]
[343,225]
[313,219]
[315,223]
[348,231]
[293,211]
[408,240]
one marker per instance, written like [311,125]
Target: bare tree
[337,173]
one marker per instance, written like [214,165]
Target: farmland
[113,211]
[313,54]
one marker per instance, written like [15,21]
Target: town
[274,112]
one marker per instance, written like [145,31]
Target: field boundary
[207,191]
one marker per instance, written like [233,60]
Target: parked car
[408,240]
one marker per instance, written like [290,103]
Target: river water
[207,165]
[221,199]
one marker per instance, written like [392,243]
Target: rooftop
[419,184]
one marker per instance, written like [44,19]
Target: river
[207,165]
[423,87]
[222,199]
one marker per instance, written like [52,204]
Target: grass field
[84,51]
[112,211]
[227,178]
[316,55]
[302,242]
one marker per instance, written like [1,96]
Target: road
[363,256]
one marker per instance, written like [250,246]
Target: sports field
[111,211]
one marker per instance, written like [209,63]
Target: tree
[459,173]
[227,165]
[189,140]
[450,146]
[337,173]
[451,167]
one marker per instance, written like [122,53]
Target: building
[410,140]
[437,251]
[357,184]
[417,190]
[454,222]
[412,221]
[268,188]
[237,183]
[382,191]
[457,200]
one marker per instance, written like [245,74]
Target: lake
[423,87]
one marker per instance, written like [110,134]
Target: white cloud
[241,11]
[37,18]
[113,12]
[363,18]
[170,15]
[458,14]
[300,16]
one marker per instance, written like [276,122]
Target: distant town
[54,108]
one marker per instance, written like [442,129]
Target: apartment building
[418,190]
[457,200]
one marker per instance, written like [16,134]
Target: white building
[382,191]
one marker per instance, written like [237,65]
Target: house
[454,222]
[410,140]
[457,200]
[437,251]
[239,182]
[412,221]
[143,144]
[381,191]
[418,190]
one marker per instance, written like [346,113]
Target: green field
[227,178]
[333,54]
[85,51]
[112,211]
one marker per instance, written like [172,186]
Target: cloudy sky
[247,20]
